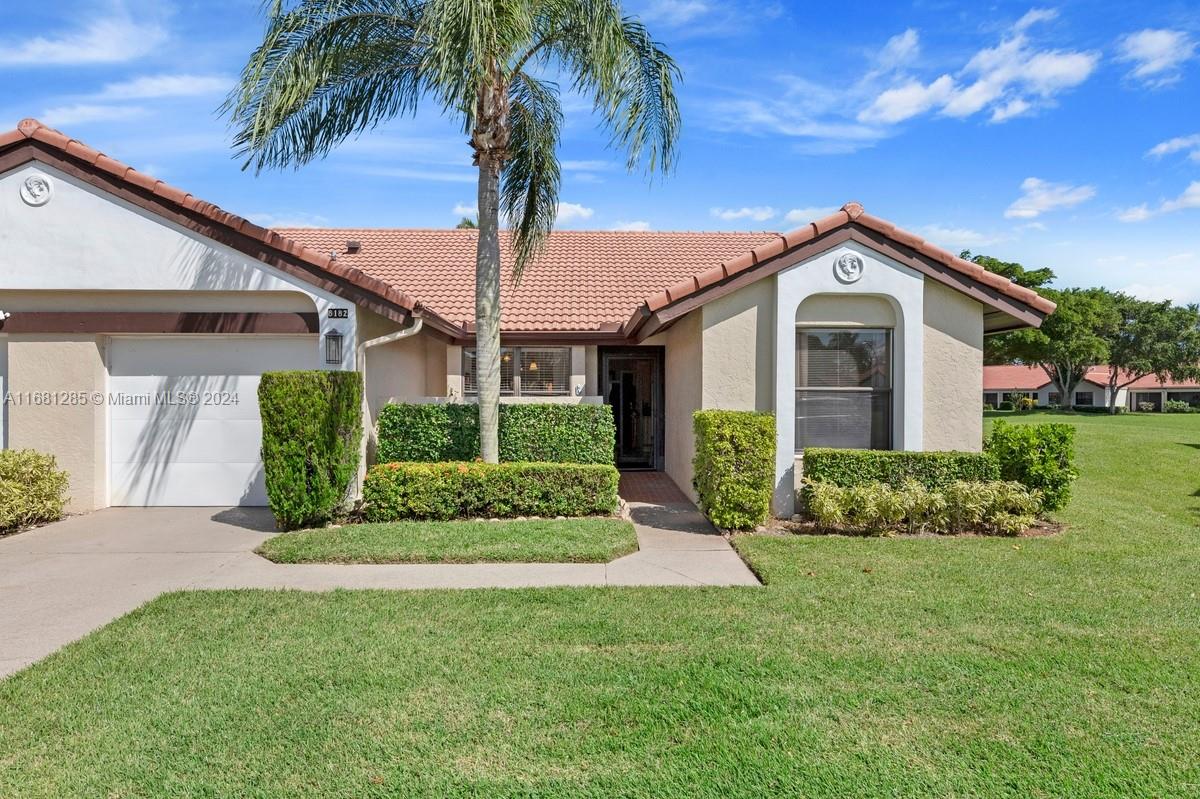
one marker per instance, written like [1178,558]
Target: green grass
[950,667]
[525,541]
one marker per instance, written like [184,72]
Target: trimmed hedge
[33,490]
[734,467]
[992,508]
[851,467]
[311,432]
[1039,456]
[400,491]
[542,432]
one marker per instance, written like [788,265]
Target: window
[844,388]
[989,398]
[525,371]
[1016,396]
[1054,398]
[1083,398]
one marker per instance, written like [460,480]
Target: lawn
[524,541]
[1058,666]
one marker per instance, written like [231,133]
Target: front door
[632,381]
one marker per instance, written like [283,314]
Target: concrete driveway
[60,582]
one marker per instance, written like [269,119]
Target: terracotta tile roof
[583,280]
[1019,377]
[31,129]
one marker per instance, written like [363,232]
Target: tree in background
[1151,338]
[995,348]
[467,223]
[1035,279]
[1072,339]
[330,69]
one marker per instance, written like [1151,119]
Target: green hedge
[399,491]
[1039,456]
[734,467]
[33,490]
[311,433]
[851,467]
[542,432]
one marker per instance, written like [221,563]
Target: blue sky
[1064,135]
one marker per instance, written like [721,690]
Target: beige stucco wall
[409,369]
[158,301]
[846,310]
[739,352]
[61,367]
[683,373]
[953,405]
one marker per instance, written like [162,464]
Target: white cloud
[759,213]
[1177,144]
[288,219]
[64,115]
[675,12]
[900,49]
[1011,79]
[585,166]
[1190,198]
[1041,196]
[908,100]
[637,225]
[959,238]
[155,86]
[1157,55]
[799,216]
[571,212]
[1175,292]
[101,41]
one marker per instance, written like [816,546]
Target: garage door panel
[184,427]
[196,441]
[177,485]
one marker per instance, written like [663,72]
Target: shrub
[1026,404]
[734,467]
[849,467]
[993,508]
[1147,407]
[1006,405]
[33,490]
[1039,456]
[542,432]
[311,432]
[987,406]
[1177,406]
[399,491]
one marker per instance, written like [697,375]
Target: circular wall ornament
[848,268]
[36,189]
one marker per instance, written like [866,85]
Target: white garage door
[183,416]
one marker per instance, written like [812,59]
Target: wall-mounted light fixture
[333,347]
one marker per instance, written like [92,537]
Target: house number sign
[338,313]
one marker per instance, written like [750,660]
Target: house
[140,317]
[1009,382]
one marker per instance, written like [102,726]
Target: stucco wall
[74,432]
[158,301]
[683,372]
[953,370]
[739,352]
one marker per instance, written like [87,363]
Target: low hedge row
[992,508]
[734,467]
[33,490]
[543,432]
[400,491]
[851,467]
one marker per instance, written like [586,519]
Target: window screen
[524,371]
[843,389]
[1083,398]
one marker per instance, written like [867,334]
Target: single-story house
[1010,382]
[139,318]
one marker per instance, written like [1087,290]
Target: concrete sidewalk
[62,581]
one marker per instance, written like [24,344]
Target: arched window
[844,388]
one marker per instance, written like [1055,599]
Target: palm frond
[531,178]
[326,70]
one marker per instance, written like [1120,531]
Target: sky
[1062,134]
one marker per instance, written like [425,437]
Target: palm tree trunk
[487,309]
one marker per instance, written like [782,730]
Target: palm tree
[330,69]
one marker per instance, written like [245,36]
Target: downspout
[360,362]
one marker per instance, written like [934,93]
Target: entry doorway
[632,381]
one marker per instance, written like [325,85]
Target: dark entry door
[632,378]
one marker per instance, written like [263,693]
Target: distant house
[1008,383]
